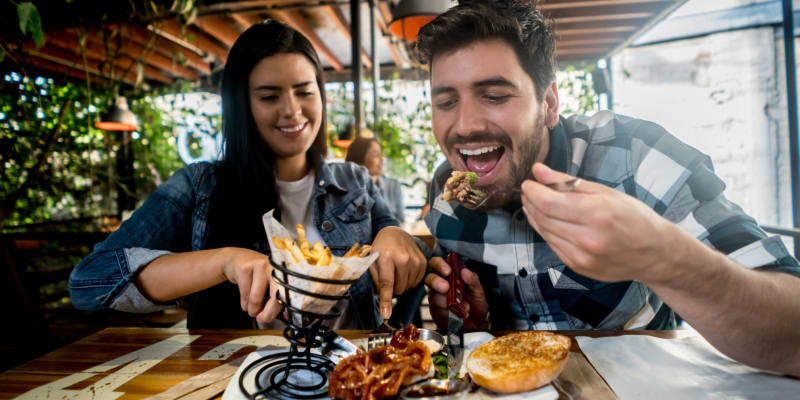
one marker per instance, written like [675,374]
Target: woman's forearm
[172,276]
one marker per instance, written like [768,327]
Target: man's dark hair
[517,22]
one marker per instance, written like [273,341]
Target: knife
[455,320]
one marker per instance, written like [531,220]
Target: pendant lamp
[410,15]
[119,118]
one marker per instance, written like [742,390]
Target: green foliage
[77,176]
[30,22]
[575,91]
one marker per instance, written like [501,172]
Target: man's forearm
[749,315]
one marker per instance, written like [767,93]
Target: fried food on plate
[381,372]
[519,362]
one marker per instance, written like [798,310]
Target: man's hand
[475,303]
[400,265]
[597,231]
[252,272]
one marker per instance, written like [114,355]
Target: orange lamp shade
[342,143]
[118,118]
[408,27]
[115,126]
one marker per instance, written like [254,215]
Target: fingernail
[446,270]
[386,311]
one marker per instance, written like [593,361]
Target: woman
[199,239]
[366,151]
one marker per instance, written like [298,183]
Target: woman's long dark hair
[245,187]
[246,177]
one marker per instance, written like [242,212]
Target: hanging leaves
[30,22]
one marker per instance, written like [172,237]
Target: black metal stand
[297,373]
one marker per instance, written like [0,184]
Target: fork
[477,198]
[381,336]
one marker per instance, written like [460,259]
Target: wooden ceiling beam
[219,28]
[166,47]
[199,42]
[133,50]
[246,20]
[383,18]
[339,19]
[97,53]
[596,31]
[603,8]
[297,21]
[68,59]
[53,67]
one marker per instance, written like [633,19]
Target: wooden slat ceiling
[587,30]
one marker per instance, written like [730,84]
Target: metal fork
[381,336]
[476,198]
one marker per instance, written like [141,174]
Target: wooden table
[137,363]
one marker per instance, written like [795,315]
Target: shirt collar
[558,153]
[326,178]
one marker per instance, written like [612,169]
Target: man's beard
[522,158]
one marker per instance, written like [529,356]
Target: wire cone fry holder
[273,378]
[308,295]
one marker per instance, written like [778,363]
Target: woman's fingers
[258,289]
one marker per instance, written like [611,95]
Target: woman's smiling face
[285,103]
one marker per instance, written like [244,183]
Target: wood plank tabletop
[169,363]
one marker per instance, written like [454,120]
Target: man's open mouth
[482,160]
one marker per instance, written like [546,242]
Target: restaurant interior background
[712,73]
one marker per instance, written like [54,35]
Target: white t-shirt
[295,205]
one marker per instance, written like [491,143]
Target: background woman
[367,151]
[199,239]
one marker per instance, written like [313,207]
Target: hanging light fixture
[410,15]
[119,118]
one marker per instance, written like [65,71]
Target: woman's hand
[400,265]
[252,272]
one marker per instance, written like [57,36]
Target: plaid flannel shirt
[529,287]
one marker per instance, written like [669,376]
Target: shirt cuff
[131,299]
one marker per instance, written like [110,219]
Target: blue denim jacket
[174,219]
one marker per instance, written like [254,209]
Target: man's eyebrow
[295,86]
[497,81]
[441,89]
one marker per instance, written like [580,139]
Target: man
[645,231]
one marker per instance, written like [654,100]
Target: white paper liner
[340,268]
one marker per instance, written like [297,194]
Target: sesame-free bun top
[519,362]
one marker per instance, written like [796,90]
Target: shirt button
[327,226]
[523,273]
[534,317]
[322,182]
[360,210]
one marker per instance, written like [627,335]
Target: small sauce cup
[434,340]
[436,389]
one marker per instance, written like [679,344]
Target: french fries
[316,254]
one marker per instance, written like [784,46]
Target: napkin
[475,339]
[645,367]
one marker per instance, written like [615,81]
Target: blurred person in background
[366,151]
